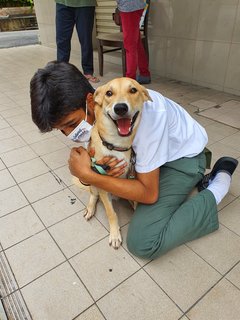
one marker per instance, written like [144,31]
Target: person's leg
[64,28]
[174,219]
[131,36]
[84,25]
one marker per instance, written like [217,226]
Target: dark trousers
[83,18]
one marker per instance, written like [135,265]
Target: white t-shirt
[166,133]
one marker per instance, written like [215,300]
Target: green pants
[175,218]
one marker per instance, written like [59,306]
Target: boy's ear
[99,95]
[90,101]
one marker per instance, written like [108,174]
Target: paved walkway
[10,39]
[56,266]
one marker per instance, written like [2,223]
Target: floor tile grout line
[21,241]
[10,166]
[88,247]
[45,228]
[94,304]
[210,289]
[30,160]
[28,201]
[36,233]
[174,302]
[38,277]
[117,285]
[232,231]
[237,130]
[15,210]
[223,139]
[67,259]
[30,145]
[215,120]
[223,207]
[208,263]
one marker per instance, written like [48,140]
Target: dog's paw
[89,213]
[115,239]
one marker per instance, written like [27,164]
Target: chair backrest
[144,20]
[104,21]
[145,12]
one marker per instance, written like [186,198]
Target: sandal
[91,78]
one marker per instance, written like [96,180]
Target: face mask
[82,132]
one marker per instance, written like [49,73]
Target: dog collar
[111,146]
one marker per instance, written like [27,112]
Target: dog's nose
[121,109]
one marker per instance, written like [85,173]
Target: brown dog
[118,106]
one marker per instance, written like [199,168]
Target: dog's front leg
[115,238]
[91,207]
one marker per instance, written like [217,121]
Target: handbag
[116,17]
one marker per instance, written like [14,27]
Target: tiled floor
[60,267]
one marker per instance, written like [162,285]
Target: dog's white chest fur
[102,151]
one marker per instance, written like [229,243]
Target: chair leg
[100,59]
[145,44]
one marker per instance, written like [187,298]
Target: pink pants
[135,54]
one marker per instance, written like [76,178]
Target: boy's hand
[115,166]
[80,163]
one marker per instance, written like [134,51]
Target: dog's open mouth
[125,125]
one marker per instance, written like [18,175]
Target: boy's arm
[144,188]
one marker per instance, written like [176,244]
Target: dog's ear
[142,89]
[99,95]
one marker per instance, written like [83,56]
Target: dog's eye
[109,93]
[133,90]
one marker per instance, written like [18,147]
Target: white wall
[197,41]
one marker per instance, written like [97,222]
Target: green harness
[98,168]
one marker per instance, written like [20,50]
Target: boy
[170,161]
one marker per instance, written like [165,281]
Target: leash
[131,172]
[102,168]
[99,168]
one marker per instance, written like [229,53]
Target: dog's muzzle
[122,119]
[120,109]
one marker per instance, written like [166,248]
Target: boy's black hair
[55,91]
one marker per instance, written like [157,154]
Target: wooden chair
[110,42]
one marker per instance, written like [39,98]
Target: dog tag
[131,173]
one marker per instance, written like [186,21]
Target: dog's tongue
[124,126]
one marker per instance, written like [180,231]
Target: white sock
[220,185]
